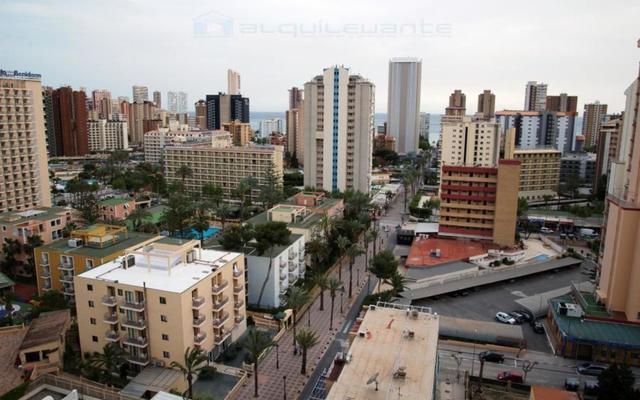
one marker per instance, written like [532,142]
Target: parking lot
[484,302]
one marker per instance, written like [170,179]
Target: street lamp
[284,383]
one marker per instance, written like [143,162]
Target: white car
[544,229]
[505,318]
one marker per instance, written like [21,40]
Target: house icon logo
[213,24]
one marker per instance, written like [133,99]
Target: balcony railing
[217,305]
[292,266]
[68,290]
[292,277]
[197,302]
[238,273]
[219,339]
[238,304]
[136,341]
[199,320]
[134,324]
[139,359]
[237,289]
[293,255]
[111,318]
[66,278]
[218,322]
[132,305]
[220,287]
[66,266]
[109,301]
[239,319]
[199,338]
[112,336]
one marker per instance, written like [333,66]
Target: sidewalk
[270,379]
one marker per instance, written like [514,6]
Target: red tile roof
[450,250]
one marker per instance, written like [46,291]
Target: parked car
[544,229]
[491,356]
[590,368]
[505,318]
[520,318]
[528,315]
[537,326]
[510,376]
[572,384]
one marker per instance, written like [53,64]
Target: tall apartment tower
[471,142]
[338,123]
[70,119]
[49,124]
[295,137]
[535,96]
[457,104]
[619,283]
[201,114]
[177,102]
[562,103]
[487,104]
[223,108]
[23,166]
[594,115]
[140,94]
[233,82]
[607,149]
[403,106]
[424,124]
[157,99]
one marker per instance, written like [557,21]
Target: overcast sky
[585,48]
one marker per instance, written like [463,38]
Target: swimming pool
[193,234]
[540,257]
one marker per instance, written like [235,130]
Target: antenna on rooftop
[373,379]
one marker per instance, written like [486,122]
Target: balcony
[110,318]
[283,264]
[239,319]
[238,304]
[66,278]
[237,273]
[218,322]
[139,359]
[292,266]
[136,341]
[238,289]
[132,305]
[46,274]
[112,336]
[66,266]
[199,338]
[197,302]
[68,290]
[292,277]
[217,305]
[293,255]
[109,301]
[134,324]
[219,339]
[199,320]
[220,287]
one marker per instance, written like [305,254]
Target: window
[94,339]
[91,304]
[163,300]
[166,354]
[90,288]
[165,336]
[119,292]
[88,264]
[92,321]
[163,318]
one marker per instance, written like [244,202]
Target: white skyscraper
[338,111]
[535,96]
[268,126]
[177,102]
[233,82]
[403,107]
[140,94]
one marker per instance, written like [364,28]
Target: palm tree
[334,285]
[33,241]
[317,251]
[256,343]
[352,252]
[326,223]
[374,237]
[213,192]
[342,243]
[194,361]
[306,339]
[296,298]
[109,361]
[200,223]
[138,216]
[184,172]
[223,212]
[6,300]
[322,282]
[398,282]
[383,266]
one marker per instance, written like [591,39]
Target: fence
[84,387]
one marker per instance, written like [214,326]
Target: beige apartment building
[225,167]
[480,202]
[469,141]
[156,140]
[241,132]
[295,132]
[108,135]
[161,298]
[540,168]
[24,175]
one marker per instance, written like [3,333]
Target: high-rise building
[23,164]
[136,122]
[157,99]
[70,120]
[201,114]
[339,126]
[486,104]
[177,102]
[619,283]
[222,108]
[160,299]
[424,125]
[562,103]
[241,132]
[470,142]
[295,133]
[233,82]
[480,202]
[607,149]
[140,94]
[578,166]
[155,141]
[540,129]
[269,126]
[457,104]
[49,123]
[108,135]
[594,115]
[101,102]
[535,96]
[403,106]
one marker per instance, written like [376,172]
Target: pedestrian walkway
[271,381]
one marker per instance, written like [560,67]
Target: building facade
[486,105]
[594,116]
[223,108]
[156,140]
[116,209]
[157,99]
[24,175]
[233,82]
[424,124]
[607,151]
[294,119]
[580,166]
[108,135]
[70,120]
[140,94]
[241,132]
[269,126]
[159,299]
[535,96]
[457,106]
[177,102]
[540,129]
[468,141]
[338,125]
[403,105]
[562,103]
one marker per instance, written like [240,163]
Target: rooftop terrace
[423,251]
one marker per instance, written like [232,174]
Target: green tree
[108,361]
[271,190]
[320,279]
[223,212]
[70,227]
[318,252]
[213,193]
[398,283]
[90,210]
[383,266]
[296,298]
[10,249]
[334,285]
[33,241]
[200,223]
[306,339]
[343,243]
[523,206]
[138,217]
[616,382]
[6,300]
[352,252]
[179,211]
[235,237]
[194,361]
[256,343]
[184,172]
[267,237]
[50,300]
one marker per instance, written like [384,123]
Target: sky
[585,48]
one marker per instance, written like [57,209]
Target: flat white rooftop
[162,269]
[394,340]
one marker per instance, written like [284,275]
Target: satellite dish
[373,379]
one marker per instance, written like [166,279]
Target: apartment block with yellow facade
[161,298]
[58,262]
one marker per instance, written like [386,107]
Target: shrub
[207,372]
